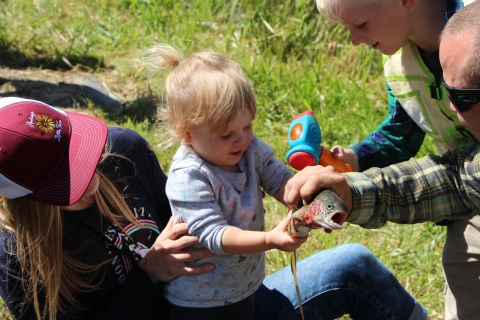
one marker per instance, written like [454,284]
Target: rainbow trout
[326,211]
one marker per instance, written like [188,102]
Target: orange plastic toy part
[327,159]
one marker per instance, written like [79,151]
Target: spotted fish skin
[326,211]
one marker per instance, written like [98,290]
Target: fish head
[327,211]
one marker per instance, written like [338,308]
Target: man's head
[460,59]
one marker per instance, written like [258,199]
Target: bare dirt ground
[73,89]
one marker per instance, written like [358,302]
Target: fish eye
[329,206]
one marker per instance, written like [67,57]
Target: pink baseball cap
[47,154]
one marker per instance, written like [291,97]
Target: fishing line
[293,266]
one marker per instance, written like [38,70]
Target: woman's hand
[166,259]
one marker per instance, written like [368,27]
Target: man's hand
[306,184]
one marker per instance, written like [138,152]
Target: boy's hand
[346,156]
[281,240]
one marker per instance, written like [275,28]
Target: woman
[71,244]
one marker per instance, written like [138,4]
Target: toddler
[216,180]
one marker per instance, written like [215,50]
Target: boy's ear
[409,5]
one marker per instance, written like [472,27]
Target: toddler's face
[224,149]
[382,24]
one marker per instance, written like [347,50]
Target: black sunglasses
[462,99]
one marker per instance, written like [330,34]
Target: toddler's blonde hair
[205,89]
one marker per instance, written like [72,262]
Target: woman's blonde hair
[44,264]
[205,89]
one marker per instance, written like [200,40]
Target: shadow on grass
[67,95]
[52,80]
[15,59]
[144,107]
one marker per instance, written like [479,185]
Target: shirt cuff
[363,197]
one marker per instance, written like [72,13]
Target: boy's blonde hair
[205,89]
[332,9]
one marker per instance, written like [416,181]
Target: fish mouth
[334,220]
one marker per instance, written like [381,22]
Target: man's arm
[429,189]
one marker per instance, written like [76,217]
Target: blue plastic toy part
[304,139]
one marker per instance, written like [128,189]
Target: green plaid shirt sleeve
[432,188]
[396,139]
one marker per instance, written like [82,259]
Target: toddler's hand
[279,238]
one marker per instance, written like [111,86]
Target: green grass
[295,59]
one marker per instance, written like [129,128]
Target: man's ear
[409,5]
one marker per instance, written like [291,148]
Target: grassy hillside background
[295,59]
